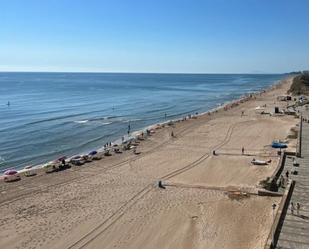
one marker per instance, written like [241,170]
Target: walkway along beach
[293,229]
[209,200]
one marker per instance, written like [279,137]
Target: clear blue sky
[204,36]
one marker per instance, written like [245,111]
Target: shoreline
[229,104]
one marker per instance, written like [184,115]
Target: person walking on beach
[297,208]
[292,208]
[242,150]
[129,129]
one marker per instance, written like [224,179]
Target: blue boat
[277,145]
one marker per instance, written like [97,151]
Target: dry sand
[114,202]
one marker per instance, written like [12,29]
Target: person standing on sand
[129,129]
[292,208]
[283,182]
[242,150]
[297,208]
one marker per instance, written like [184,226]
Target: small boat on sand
[278,145]
[260,162]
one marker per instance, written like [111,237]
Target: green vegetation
[300,85]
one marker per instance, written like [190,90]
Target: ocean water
[55,114]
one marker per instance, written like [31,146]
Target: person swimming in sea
[8,104]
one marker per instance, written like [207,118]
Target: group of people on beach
[108,144]
[283,180]
[282,184]
[242,100]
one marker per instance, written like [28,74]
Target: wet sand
[115,203]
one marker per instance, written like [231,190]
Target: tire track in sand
[111,220]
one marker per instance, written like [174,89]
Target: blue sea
[55,114]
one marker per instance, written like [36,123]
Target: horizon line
[124,72]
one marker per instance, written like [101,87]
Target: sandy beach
[115,202]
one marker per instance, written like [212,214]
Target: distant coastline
[156,73]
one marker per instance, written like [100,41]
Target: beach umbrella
[92,153]
[10,172]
